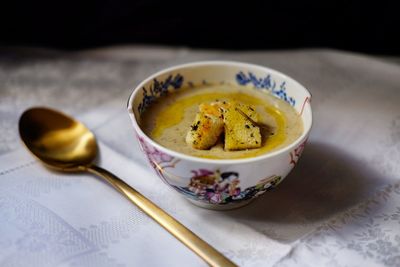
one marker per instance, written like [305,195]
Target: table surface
[339,207]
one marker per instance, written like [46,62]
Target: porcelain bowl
[235,182]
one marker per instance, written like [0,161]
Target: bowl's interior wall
[242,75]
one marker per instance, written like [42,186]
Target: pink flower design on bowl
[153,154]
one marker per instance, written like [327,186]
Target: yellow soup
[168,120]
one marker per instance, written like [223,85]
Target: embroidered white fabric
[339,207]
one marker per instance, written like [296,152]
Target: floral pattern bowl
[220,183]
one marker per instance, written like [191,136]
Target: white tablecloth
[339,207]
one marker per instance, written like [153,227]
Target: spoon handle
[209,254]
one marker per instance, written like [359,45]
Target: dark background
[362,26]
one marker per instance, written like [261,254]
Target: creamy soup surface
[168,120]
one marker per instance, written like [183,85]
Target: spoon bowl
[56,139]
[65,144]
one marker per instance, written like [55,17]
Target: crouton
[240,133]
[207,127]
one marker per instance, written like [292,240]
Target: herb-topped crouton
[207,127]
[240,133]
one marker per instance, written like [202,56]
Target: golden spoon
[65,144]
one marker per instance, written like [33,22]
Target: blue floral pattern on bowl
[159,88]
[265,83]
[174,82]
